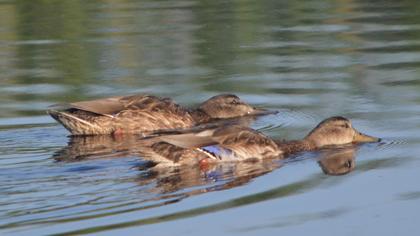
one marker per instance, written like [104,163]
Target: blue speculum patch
[218,152]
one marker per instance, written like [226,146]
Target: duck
[143,114]
[240,143]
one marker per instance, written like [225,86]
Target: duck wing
[104,106]
[240,141]
[113,105]
[190,140]
[246,142]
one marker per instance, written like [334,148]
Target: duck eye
[234,102]
[345,126]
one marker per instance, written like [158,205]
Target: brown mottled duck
[142,114]
[238,143]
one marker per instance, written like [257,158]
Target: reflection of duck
[338,161]
[235,143]
[144,113]
[226,175]
[99,146]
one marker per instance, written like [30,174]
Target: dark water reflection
[309,60]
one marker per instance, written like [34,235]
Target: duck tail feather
[72,123]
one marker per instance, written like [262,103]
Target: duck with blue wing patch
[238,143]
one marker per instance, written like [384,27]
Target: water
[309,60]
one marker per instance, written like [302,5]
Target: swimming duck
[237,143]
[141,114]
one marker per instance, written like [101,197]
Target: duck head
[336,131]
[229,106]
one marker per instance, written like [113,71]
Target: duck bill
[261,111]
[363,138]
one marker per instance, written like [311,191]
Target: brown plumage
[142,114]
[234,143]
